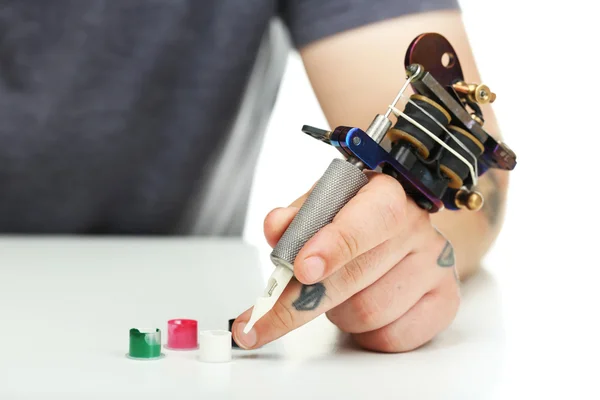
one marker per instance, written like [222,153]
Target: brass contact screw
[472,201]
[480,94]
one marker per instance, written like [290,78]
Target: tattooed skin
[490,187]
[446,257]
[310,297]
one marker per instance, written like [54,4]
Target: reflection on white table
[68,305]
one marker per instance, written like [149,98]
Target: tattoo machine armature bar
[438,150]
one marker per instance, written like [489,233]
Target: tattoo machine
[437,150]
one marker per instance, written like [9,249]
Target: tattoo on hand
[310,297]
[446,257]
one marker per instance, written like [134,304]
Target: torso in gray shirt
[146,116]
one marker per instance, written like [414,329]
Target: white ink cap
[214,346]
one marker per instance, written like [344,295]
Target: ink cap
[233,343]
[182,334]
[145,344]
[214,346]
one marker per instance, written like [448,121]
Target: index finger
[376,214]
[299,303]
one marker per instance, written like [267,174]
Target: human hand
[380,271]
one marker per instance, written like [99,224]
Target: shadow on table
[258,356]
[464,360]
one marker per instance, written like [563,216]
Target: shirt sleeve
[311,20]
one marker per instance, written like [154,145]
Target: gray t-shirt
[147,116]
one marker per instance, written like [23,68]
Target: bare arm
[355,74]
[379,270]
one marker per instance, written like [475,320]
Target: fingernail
[245,340]
[314,268]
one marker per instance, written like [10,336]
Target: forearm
[356,73]
[473,233]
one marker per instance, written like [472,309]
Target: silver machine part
[379,127]
[341,182]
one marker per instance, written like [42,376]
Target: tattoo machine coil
[438,151]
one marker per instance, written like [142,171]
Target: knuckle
[333,315]
[386,180]
[389,342]
[347,243]
[348,279]
[335,287]
[282,317]
[343,282]
[339,317]
[396,190]
[395,209]
[393,213]
[398,193]
[410,338]
[353,273]
[421,217]
[364,310]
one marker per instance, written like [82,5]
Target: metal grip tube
[340,183]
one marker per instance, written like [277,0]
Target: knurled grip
[340,183]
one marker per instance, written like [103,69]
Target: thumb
[277,221]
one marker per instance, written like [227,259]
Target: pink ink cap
[182,334]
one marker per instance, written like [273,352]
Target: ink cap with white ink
[214,346]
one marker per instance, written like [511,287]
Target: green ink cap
[145,344]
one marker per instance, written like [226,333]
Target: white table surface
[67,305]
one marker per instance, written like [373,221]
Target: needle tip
[253,318]
[277,282]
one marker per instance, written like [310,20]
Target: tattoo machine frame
[438,150]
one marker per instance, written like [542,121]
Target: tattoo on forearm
[493,198]
[446,257]
[310,297]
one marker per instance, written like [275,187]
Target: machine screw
[472,201]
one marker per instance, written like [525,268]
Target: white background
[541,60]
